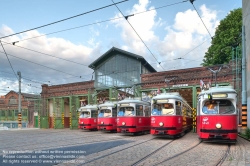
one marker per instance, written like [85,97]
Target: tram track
[241,157]
[223,158]
[178,154]
[105,155]
[149,155]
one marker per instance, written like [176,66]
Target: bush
[247,133]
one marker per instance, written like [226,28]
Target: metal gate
[41,107]
[74,105]
[58,113]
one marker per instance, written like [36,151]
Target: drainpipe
[244,94]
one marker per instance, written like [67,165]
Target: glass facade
[119,71]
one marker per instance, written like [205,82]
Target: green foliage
[227,36]
[247,133]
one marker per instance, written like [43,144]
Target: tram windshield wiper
[168,113]
[227,111]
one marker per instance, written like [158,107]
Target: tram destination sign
[180,85]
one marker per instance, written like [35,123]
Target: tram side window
[184,110]
[189,112]
[178,107]
[114,112]
[139,110]
[147,111]
[94,113]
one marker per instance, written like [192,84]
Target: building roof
[26,95]
[115,50]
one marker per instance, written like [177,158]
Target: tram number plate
[160,132]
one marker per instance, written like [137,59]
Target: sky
[171,36]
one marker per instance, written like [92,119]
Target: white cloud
[171,43]
[186,33]
[49,45]
[141,25]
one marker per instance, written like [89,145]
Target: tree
[227,36]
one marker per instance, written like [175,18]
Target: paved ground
[75,147]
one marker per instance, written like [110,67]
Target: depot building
[120,74]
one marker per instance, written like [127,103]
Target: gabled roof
[25,95]
[115,50]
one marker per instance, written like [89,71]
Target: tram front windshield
[218,107]
[163,109]
[85,114]
[105,113]
[126,111]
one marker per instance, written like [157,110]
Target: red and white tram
[217,115]
[171,115]
[88,117]
[107,116]
[133,116]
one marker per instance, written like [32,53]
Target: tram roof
[89,107]
[225,89]
[173,95]
[133,100]
[114,50]
[108,104]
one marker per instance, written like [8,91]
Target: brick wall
[190,76]
[78,88]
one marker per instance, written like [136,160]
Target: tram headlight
[218,126]
[102,123]
[161,124]
[123,123]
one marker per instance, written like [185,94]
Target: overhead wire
[161,7]
[13,43]
[126,17]
[64,19]
[25,77]
[43,65]
[84,26]
[47,54]
[192,1]
[185,53]
[110,20]
[8,59]
[100,21]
